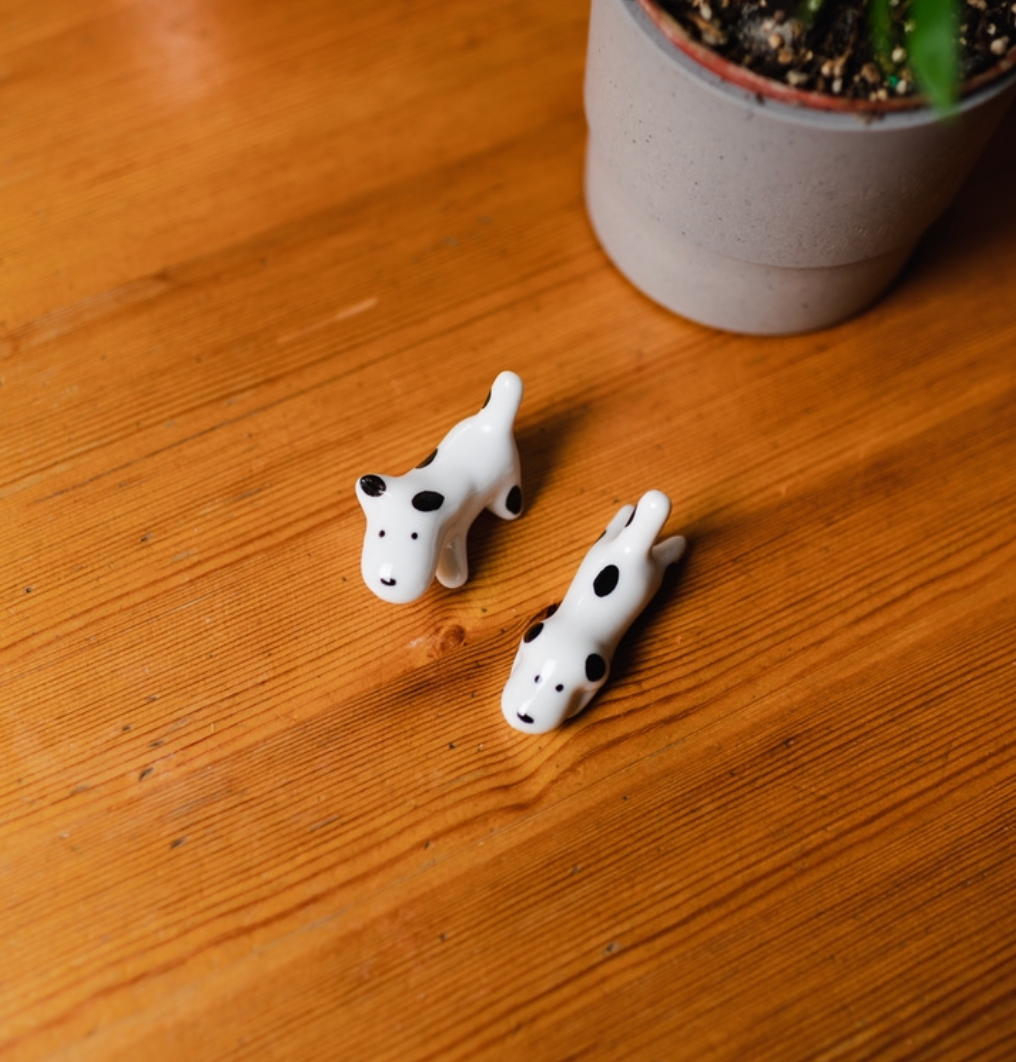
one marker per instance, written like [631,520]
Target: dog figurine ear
[373,486]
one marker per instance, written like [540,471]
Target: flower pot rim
[769,88]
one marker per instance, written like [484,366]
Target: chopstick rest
[417,523]
[565,659]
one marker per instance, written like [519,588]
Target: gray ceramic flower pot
[748,213]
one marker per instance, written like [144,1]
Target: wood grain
[253,251]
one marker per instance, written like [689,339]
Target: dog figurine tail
[503,401]
[650,515]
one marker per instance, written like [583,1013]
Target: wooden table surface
[251,251]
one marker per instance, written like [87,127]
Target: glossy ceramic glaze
[417,523]
[565,659]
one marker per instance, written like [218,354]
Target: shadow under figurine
[564,660]
[417,523]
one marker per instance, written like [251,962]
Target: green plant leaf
[933,47]
[880,28]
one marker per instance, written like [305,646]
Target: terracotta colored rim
[778,90]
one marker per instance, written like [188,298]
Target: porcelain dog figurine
[417,523]
[565,659]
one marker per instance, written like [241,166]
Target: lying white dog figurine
[563,660]
[417,523]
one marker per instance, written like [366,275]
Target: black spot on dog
[387,582]
[533,632]
[524,718]
[427,501]
[373,486]
[596,667]
[559,687]
[513,503]
[606,581]
[551,609]
[631,516]
[427,460]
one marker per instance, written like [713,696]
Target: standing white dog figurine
[565,659]
[417,523]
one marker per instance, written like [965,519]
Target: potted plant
[772,205]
